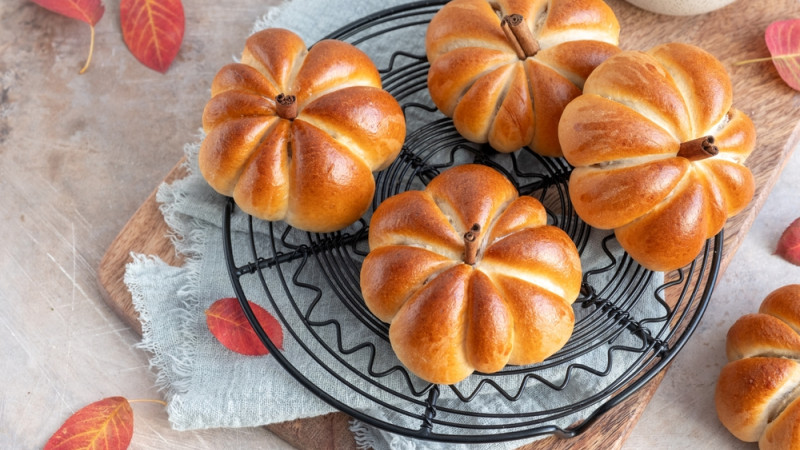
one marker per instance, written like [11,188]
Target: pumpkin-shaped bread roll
[295,134]
[469,276]
[658,152]
[505,69]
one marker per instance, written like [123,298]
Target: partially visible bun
[758,392]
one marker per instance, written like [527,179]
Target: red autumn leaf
[783,42]
[227,322]
[789,243]
[152,30]
[105,424]
[89,11]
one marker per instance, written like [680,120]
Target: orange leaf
[227,322]
[152,30]
[789,243]
[783,42]
[89,11]
[106,424]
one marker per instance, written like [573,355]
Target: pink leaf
[789,243]
[783,42]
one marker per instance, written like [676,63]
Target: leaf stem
[768,58]
[91,50]
[148,400]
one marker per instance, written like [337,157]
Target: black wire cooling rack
[629,321]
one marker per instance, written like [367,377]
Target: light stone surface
[79,154]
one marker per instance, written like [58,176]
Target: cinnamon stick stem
[511,38]
[471,244]
[286,106]
[522,34]
[698,149]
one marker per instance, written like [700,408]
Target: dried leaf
[89,11]
[227,322]
[152,30]
[783,42]
[789,243]
[106,424]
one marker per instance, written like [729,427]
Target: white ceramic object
[680,7]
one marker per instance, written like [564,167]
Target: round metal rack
[629,321]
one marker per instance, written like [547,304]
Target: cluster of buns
[295,135]
[470,276]
[657,148]
[758,391]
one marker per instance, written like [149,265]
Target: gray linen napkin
[207,386]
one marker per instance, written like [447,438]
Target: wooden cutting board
[732,34]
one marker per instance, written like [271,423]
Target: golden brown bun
[623,135]
[494,95]
[758,392]
[314,170]
[449,317]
